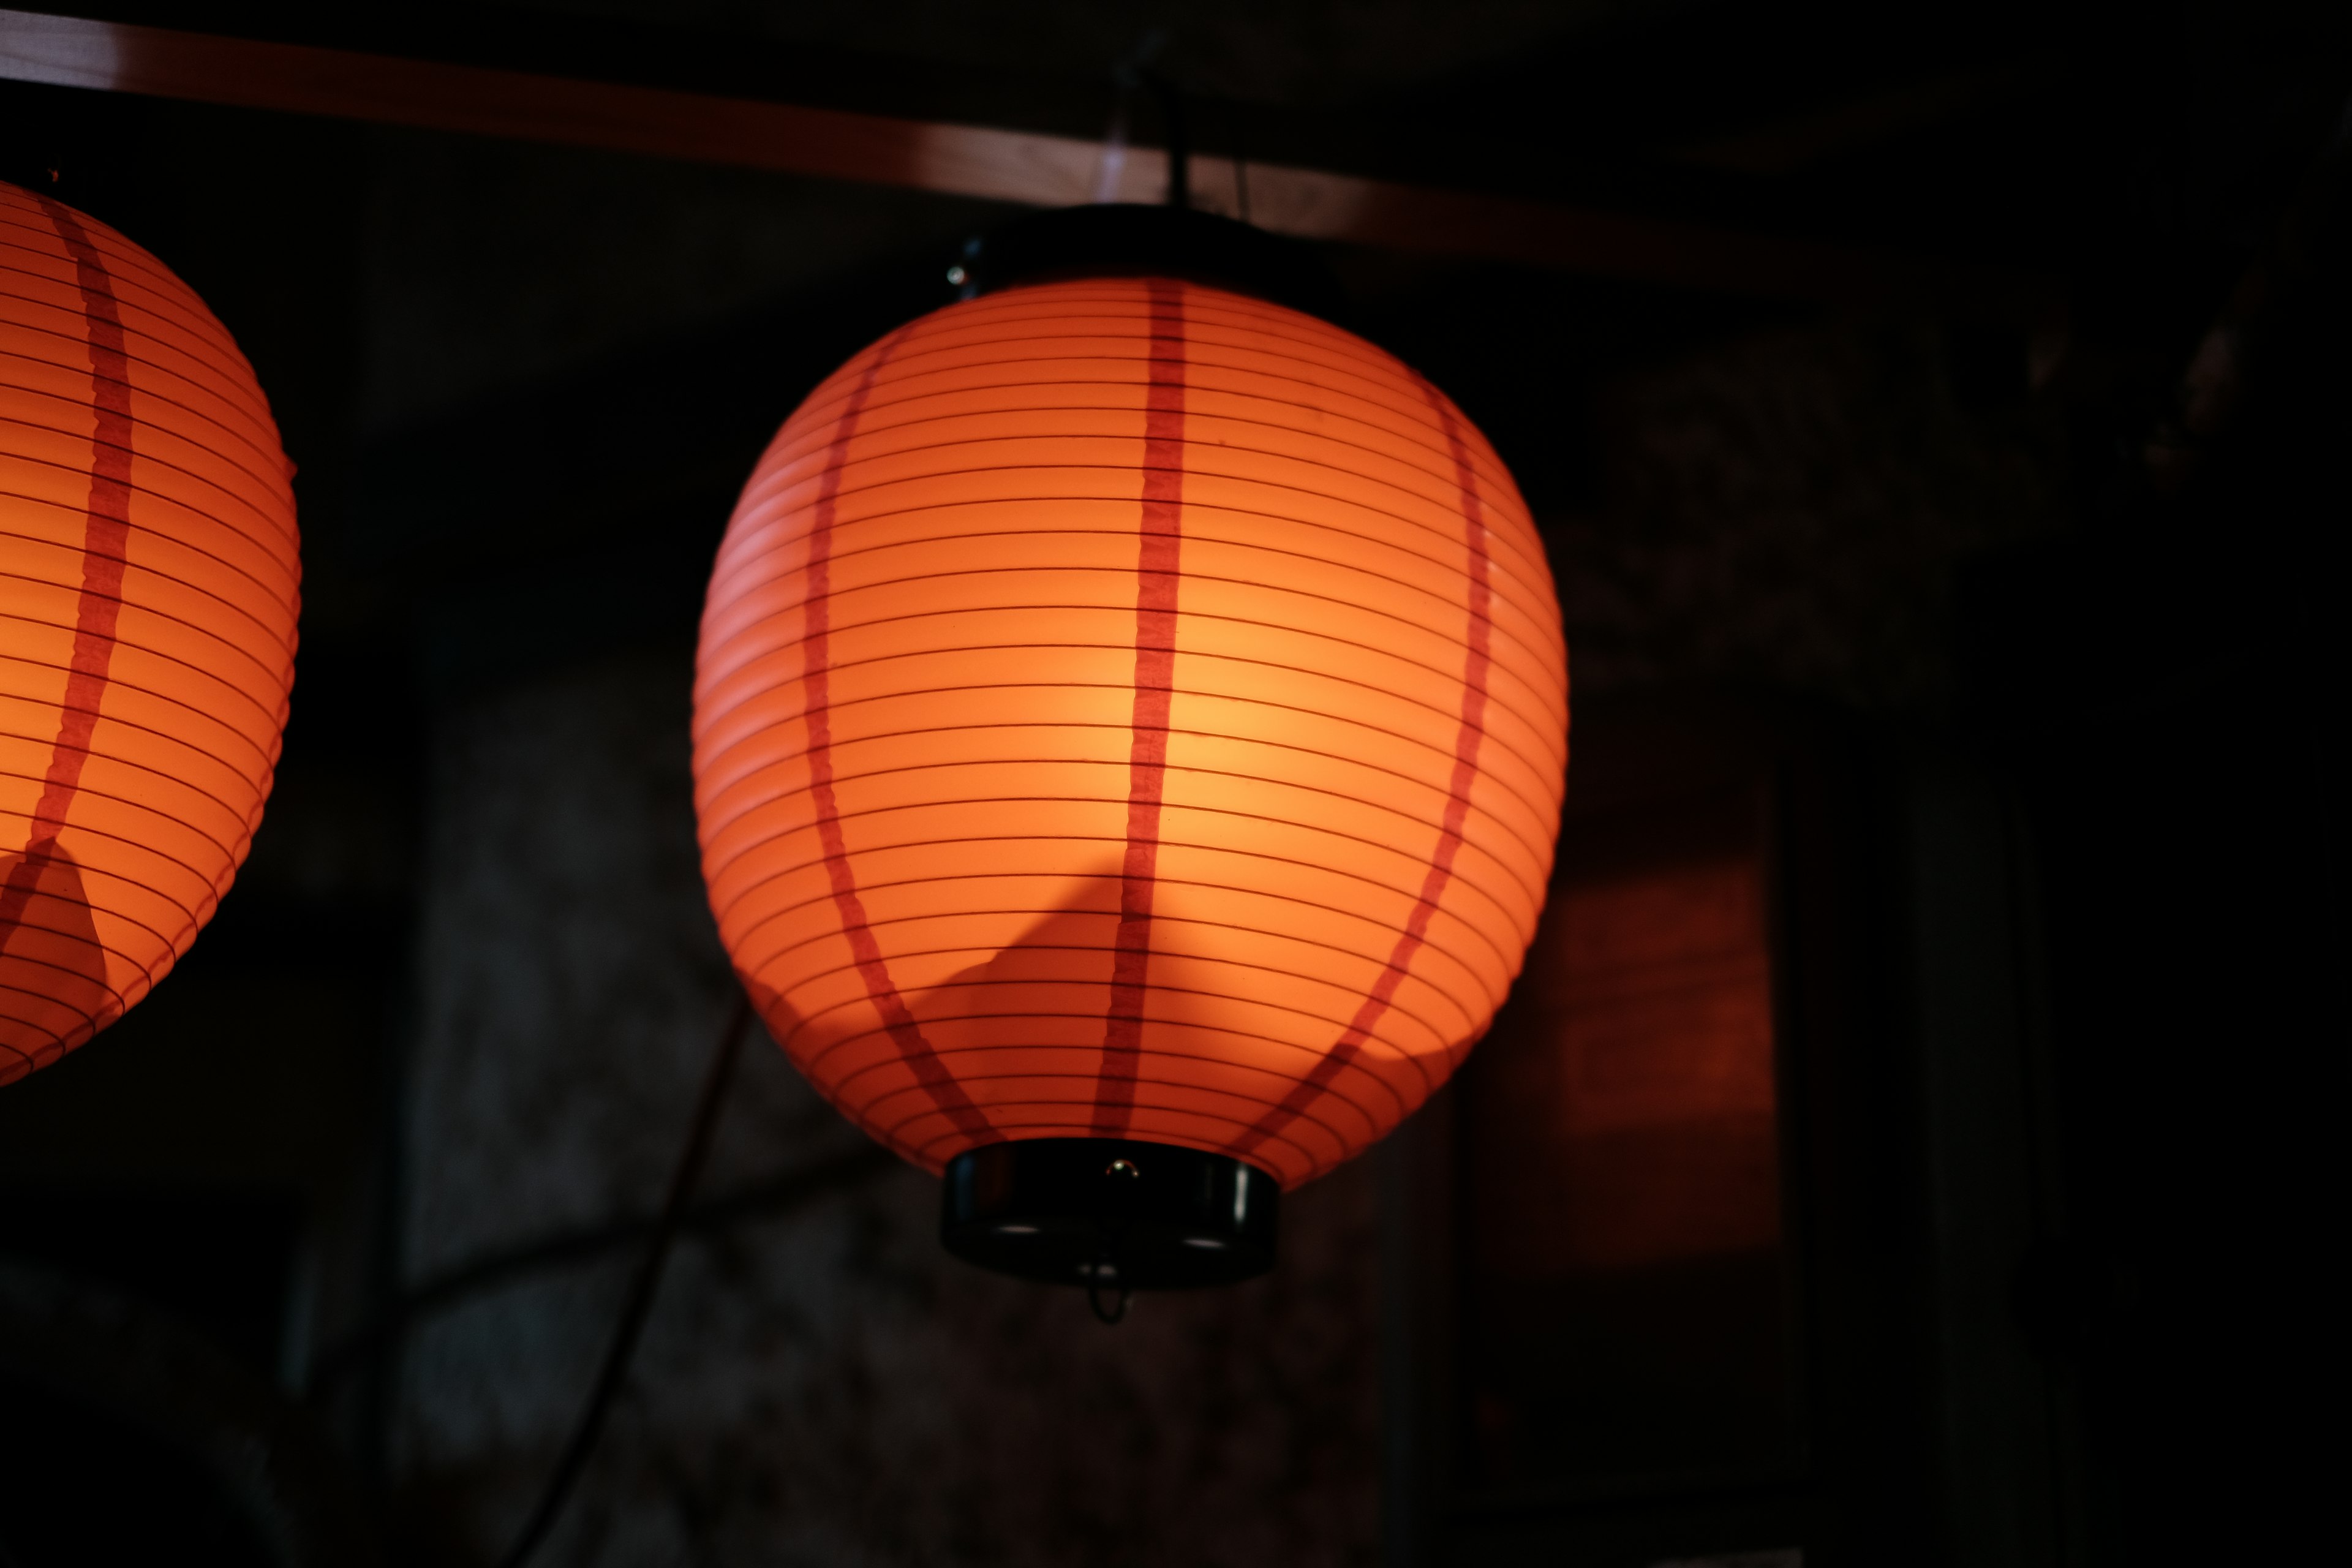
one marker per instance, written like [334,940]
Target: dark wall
[2059,650]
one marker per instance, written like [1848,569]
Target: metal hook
[1117,1311]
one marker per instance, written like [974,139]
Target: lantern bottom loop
[1110,1214]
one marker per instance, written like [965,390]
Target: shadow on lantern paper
[53,994]
[1229,1024]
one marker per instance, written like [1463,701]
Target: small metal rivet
[1120,1168]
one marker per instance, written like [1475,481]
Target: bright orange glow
[149,582]
[1130,710]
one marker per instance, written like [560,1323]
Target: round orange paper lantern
[149,582]
[1129,712]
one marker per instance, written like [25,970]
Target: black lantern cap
[1109,1213]
[1120,239]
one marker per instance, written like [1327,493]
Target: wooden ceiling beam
[990,162]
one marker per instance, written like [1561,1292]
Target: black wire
[1180,145]
[1136,70]
[498,1269]
[640,1303]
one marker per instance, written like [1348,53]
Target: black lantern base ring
[1110,1214]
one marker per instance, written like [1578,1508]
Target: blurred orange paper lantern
[149,582]
[1130,734]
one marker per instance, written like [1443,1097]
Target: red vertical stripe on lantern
[1468,735]
[1158,574]
[106,538]
[905,1033]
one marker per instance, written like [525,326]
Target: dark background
[2042,651]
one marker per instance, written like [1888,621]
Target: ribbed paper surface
[149,584]
[1127,708]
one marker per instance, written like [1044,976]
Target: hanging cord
[691,1161]
[1179,146]
[1136,70]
